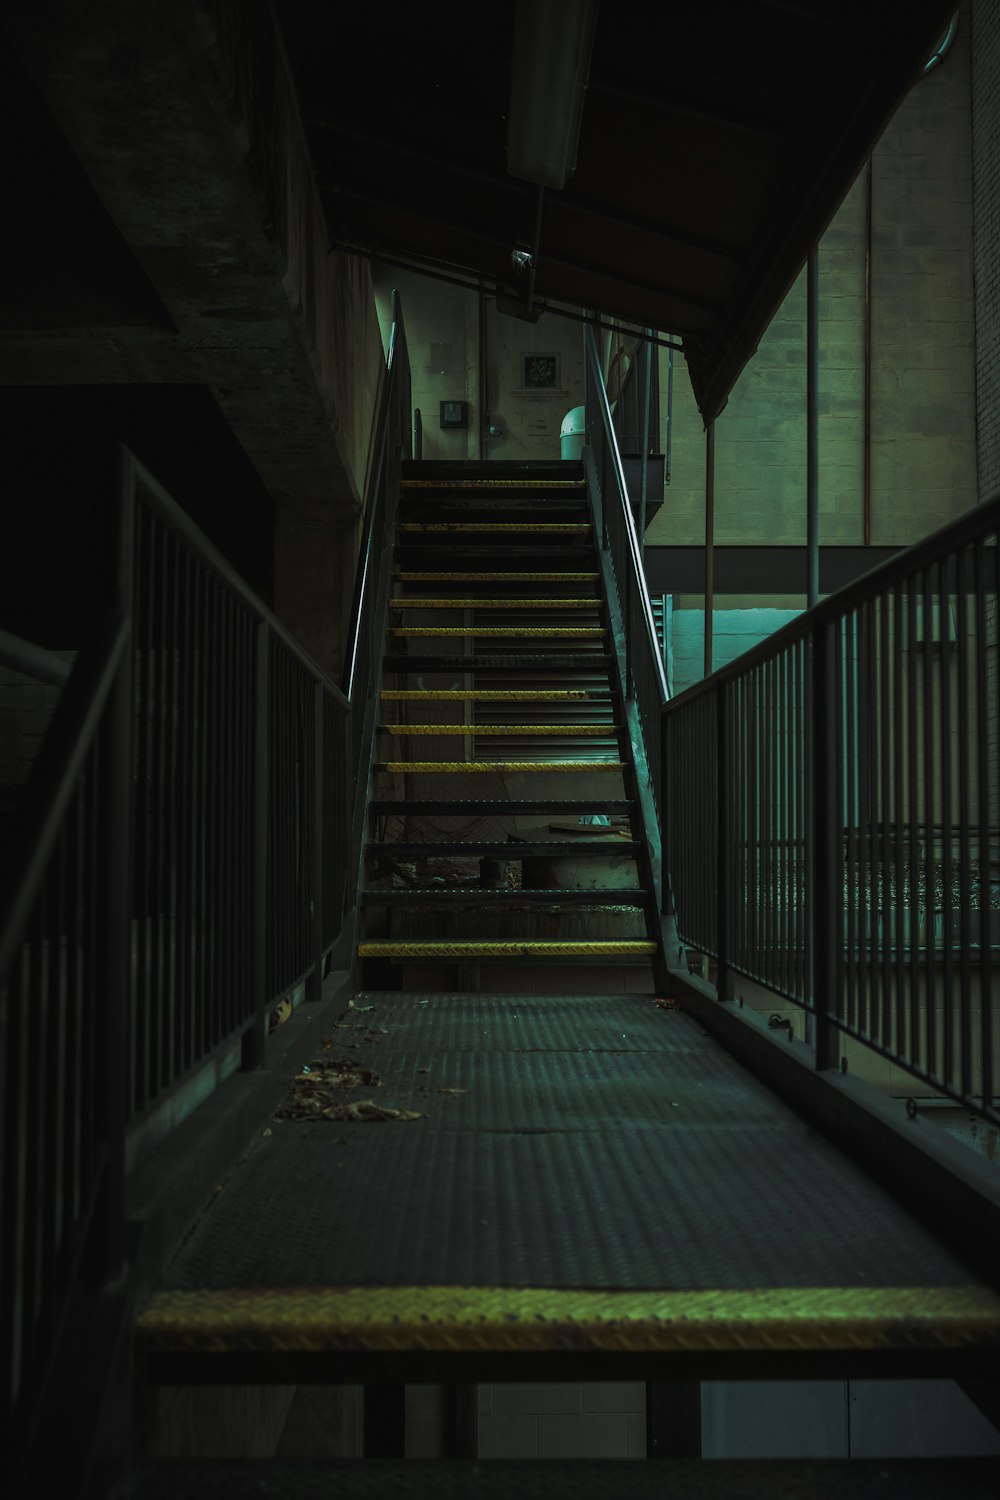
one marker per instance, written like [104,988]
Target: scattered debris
[662,1003]
[280,1013]
[453,1091]
[267,1132]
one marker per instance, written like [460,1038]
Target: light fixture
[550,66]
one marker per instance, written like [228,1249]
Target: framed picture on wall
[539,372]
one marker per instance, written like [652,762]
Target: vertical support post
[723,840]
[644,484]
[824,863]
[812,426]
[666,904]
[866,470]
[314,984]
[254,1038]
[709,542]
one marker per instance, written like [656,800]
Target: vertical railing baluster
[254,1037]
[314,984]
[983,787]
[724,841]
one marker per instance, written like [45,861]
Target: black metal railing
[831,814]
[63,979]
[636,642]
[185,848]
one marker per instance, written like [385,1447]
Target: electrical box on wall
[454,413]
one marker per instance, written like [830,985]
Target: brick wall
[986,211]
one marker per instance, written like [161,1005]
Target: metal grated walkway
[588,1174]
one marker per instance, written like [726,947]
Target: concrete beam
[284,335]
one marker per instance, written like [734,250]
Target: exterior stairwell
[506,846]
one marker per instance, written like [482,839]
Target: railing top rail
[971,527]
[604,412]
[396,342]
[172,515]
[32,661]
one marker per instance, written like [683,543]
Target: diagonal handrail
[633,550]
[376,498]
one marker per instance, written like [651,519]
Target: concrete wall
[563,1420]
[986,214]
[923,416]
[443,326]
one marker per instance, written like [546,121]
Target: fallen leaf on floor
[663,1004]
[351,1006]
[423,1070]
[267,1132]
[453,1091]
[367,1109]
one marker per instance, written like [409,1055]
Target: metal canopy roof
[717,140]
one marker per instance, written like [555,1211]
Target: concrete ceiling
[717,141]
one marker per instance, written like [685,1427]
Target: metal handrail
[362,580]
[173,516]
[634,550]
[56,771]
[829,813]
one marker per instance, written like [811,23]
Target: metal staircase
[530,851]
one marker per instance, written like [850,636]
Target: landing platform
[589,1176]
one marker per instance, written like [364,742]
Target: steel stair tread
[465,806]
[571,731]
[567,949]
[627,896]
[483,848]
[488,767]
[540,662]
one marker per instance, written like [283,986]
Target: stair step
[502,632]
[487,895]
[481,848]
[529,948]
[568,731]
[592,663]
[470,807]
[494,603]
[523,528]
[480,767]
[414,554]
[487,483]
[473,577]
[494,695]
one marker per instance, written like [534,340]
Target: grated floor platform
[417,1479]
[569,1147]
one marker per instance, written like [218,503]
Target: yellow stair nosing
[481,767]
[492,484]
[510,948]
[418,1320]
[556,527]
[494,603]
[487,695]
[540,632]
[594,731]
[466,577]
